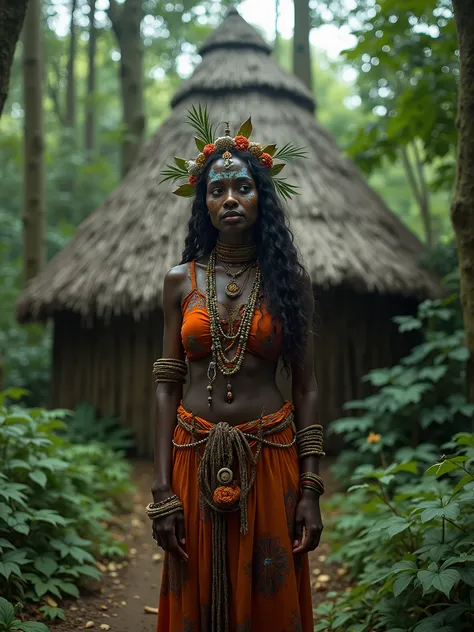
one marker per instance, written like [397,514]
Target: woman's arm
[305,400]
[170,529]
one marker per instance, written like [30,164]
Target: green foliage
[409,68]
[9,619]
[84,426]
[55,502]
[424,395]
[407,537]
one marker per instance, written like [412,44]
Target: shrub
[84,426]
[55,501]
[407,538]
[423,395]
[9,620]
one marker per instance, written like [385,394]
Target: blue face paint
[229,175]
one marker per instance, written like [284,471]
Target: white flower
[193,168]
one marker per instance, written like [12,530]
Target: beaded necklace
[219,360]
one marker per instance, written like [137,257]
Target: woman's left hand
[308,523]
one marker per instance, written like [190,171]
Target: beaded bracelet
[164,508]
[170,370]
[313,482]
[310,441]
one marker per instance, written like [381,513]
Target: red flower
[227,496]
[193,180]
[266,160]
[209,150]
[241,143]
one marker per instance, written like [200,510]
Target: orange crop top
[265,339]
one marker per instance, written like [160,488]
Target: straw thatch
[117,260]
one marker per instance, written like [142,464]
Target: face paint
[248,196]
[214,175]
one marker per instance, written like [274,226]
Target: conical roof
[116,262]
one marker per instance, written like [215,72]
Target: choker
[236,254]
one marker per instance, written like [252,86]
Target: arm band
[310,441]
[170,370]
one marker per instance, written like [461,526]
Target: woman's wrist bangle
[164,507]
[312,482]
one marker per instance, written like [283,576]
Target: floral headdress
[207,145]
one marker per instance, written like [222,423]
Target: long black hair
[283,276]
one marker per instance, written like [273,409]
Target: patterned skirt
[269,586]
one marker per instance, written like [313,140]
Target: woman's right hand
[169,533]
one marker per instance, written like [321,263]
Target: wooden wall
[110,365]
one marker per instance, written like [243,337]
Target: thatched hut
[104,290]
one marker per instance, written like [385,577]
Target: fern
[290,151]
[199,120]
[287,191]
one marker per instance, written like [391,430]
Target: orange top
[265,339]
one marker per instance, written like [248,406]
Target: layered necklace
[223,341]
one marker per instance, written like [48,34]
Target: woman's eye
[245,188]
[216,192]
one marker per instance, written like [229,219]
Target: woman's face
[232,198]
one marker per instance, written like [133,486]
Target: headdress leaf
[200,121]
[290,151]
[246,129]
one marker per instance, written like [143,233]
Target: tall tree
[126,21]
[71,71]
[276,41]
[462,210]
[301,43]
[91,79]
[34,192]
[12,16]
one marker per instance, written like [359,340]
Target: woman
[236,501]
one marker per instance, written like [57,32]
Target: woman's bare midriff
[254,391]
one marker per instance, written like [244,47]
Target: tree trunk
[126,22]
[34,191]
[90,108]
[417,181]
[12,16]
[71,74]
[276,43]
[462,209]
[301,43]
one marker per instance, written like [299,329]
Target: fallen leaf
[136,596]
[150,610]
[157,557]
[324,579]
[123,603]
[133,551]
[89,624]
[341,572]
[104,626]
[101,567]
[73,608]
[50,601]
[104,607]
[136,524]
[113,574]
[322,558]
[111,566]
[316,572]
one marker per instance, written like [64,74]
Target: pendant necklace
[233,289]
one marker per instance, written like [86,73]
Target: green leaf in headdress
[270,150]
[246,129]
[199,120]
[287,191]
[290,151]
[200,144]
[181,163]
[276,169]
[185,190]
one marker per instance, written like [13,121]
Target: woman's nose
[230,202]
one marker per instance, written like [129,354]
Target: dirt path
[129,587]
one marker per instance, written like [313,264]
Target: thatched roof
[116,261]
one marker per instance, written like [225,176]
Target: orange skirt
[269,586]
